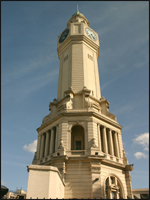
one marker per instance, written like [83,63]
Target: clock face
[63,35]
[91,34]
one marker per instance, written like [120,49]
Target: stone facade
[80,137]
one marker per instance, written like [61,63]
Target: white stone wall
[77,82]
[78,180]
[44,182]
[91,74]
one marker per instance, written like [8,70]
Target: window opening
[112,188]
[113,195]
[77,138]
[78,145]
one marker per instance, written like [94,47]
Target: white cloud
[31,147]
[3,183]
[143,140]
[139,155]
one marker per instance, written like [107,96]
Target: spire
[77,9]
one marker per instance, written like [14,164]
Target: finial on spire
[77,9]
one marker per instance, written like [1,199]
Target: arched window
[77,138]
[113,188]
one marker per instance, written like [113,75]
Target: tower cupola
[78,17]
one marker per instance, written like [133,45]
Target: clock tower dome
[79,151]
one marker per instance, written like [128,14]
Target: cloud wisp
[28,86]
[139,155]
[31,147]
[143,140]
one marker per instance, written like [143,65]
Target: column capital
[115,132]
[52,129]
[47,130]
[110,129]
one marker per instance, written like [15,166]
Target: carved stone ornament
[68,104]
[113,187]
[61,146]
[95,169]
[88,104]
[125,161]
[46,118]
[93,143]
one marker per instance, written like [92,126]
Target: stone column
[105,140]
[116,144]
[69,138]
[86,135]
[109,190]
[38,147]
[117,195]
[52,141]
[42,146]
[56,139]
[47,144]
[49,150]
[110,142]
[99,137]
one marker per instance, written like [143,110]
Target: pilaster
[95,175]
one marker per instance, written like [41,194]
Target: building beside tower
[79,151]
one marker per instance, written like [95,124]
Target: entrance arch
[77,138]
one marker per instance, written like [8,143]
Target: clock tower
[78,50]
[79,152]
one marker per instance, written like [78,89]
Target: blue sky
[30,68]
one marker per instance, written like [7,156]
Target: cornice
[81,112]
[113,164]
[73,39]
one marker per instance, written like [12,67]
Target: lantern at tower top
[78,17]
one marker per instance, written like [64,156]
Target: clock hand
[92,36]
